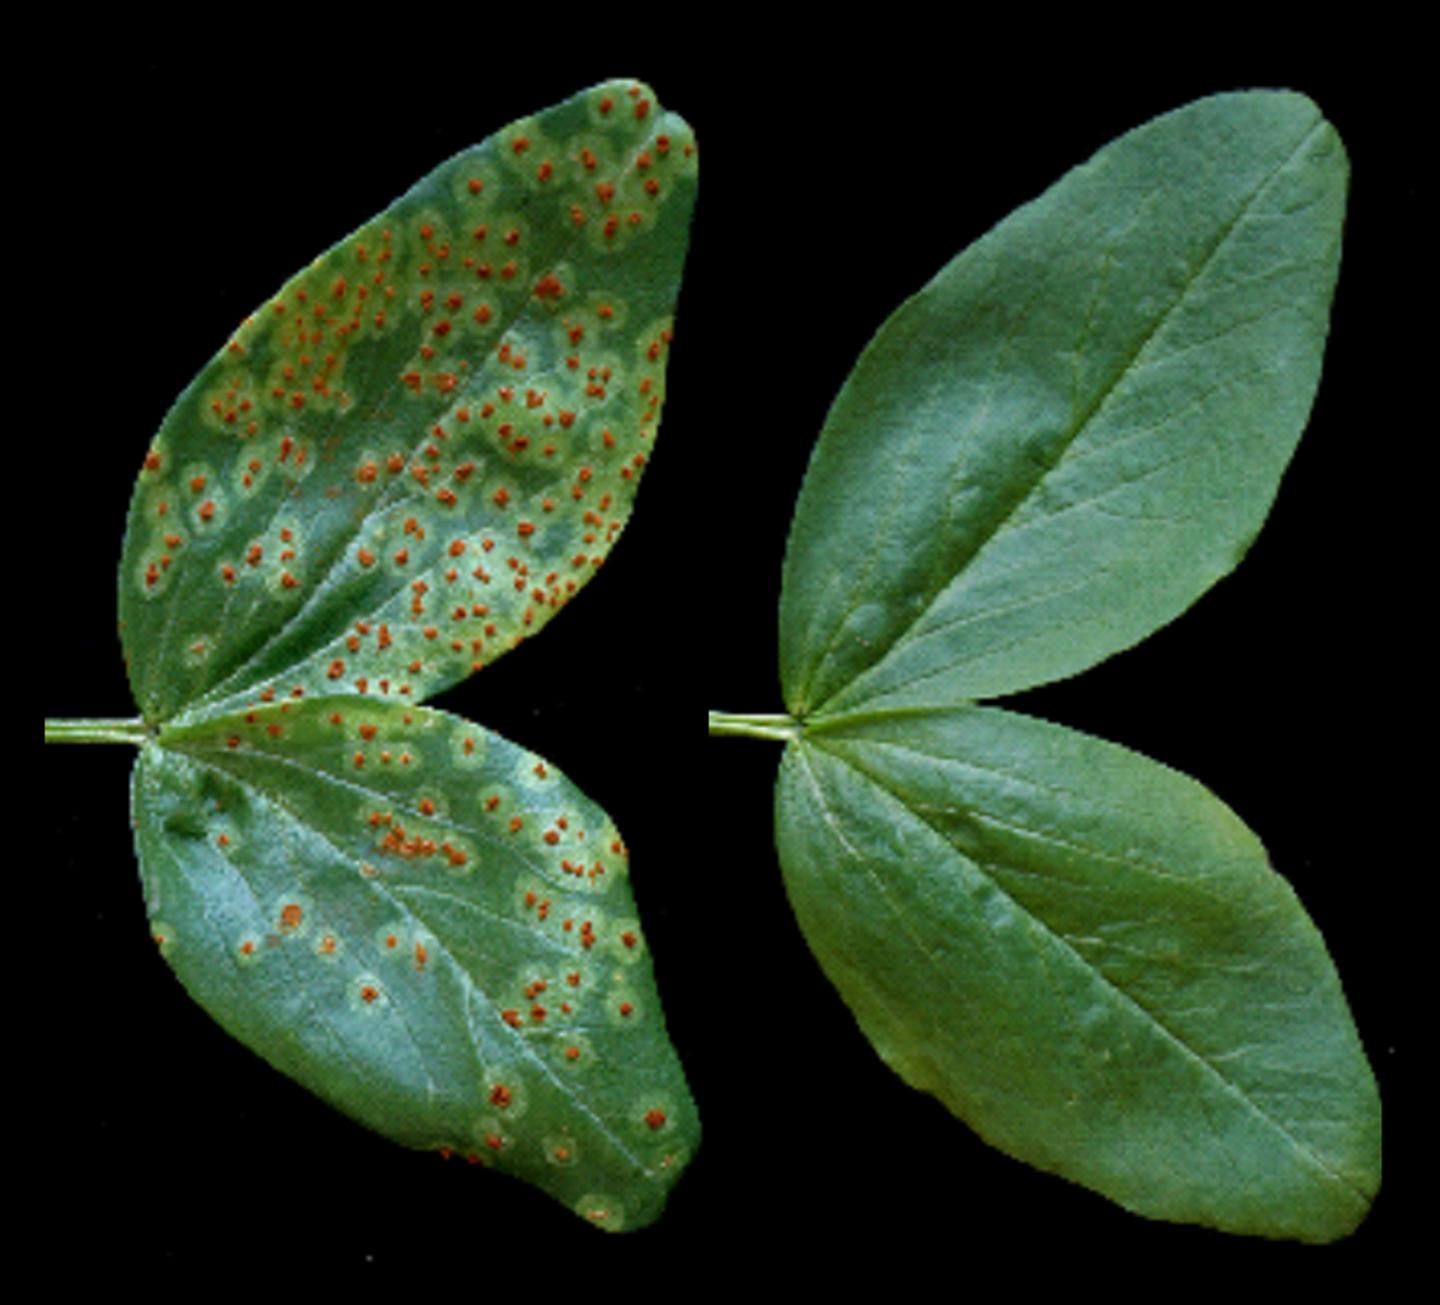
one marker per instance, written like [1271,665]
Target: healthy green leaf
[1059,444]
[1052,450]
[429,927]
[1087,958]
[401,466]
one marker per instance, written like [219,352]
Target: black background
[832,186]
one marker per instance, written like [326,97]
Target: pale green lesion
[134,732]
[778,729]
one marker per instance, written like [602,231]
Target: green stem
[778,729]
[95,731]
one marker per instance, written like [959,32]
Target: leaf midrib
[1307,1155]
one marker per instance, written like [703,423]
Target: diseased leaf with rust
[413,455]
[430,927]
[402,465]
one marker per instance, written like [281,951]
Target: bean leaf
[402,465]
[1079,426]
[1087,958]
[1052,450]
[460,397]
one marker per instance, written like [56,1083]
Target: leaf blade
[1087,958]
[384,934]
[480,367]
[1079,425]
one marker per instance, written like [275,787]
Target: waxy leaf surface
[1079,426]
[402,465]
[1088,959]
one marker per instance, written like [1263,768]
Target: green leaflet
[1088,959]
[461,396]
[1060,443]
[1052,450]
[401,466]
[428,926]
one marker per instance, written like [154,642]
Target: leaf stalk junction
[778,729]
[96,731]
